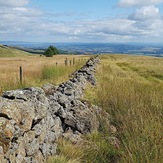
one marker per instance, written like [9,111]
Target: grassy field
[36,70]
[130,89]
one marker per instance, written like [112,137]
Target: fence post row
[66,63]
[71,62]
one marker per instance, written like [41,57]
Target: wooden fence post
[73,61]
[66,62]
[21,74]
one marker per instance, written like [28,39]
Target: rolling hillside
[129,88]
[11,52]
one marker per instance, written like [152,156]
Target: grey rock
[49,89]
[70,120]
[54,106]
[61,113]
[15,94]
[27,160]
[48,149]
[32,147]
[69,91]
[38,129]
[1,150]
[73,137]
[63,100]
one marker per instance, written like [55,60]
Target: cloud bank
[13,3]
[131,3]
[145,13]
[20,22]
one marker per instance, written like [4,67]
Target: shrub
[50,51]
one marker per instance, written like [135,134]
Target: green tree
[50,51]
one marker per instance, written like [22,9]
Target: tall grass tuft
[95,148]
[99,150]
[52,72]
[67,153]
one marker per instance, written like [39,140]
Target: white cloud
[118,30]
[148,19]
[145,13]
[24,23]
[13,3]
[103,30]
[131,3]
[16,17]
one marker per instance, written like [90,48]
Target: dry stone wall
[32,119]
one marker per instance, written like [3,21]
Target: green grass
[95,148]
[50,72]
[98,149]
[67,153]
[130,89]
[11,52]
[149,72]
[135,105]
[58,74]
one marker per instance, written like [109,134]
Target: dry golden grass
[33,68]
[130,89]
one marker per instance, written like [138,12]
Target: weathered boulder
[82,118]
[49,89]
[74,137]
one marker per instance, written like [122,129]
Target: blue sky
[81,20]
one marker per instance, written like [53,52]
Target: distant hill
[29,50]
[6,51]
[150,49]
[108,48]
